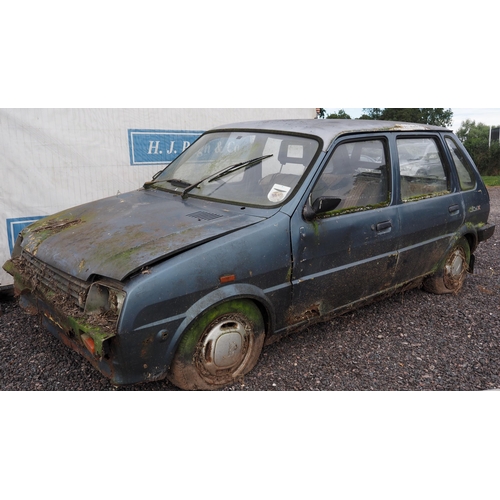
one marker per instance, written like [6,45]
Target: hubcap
[225,345]
[455,269]
[456,264]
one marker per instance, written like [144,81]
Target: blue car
[256,230]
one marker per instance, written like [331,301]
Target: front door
[349,254]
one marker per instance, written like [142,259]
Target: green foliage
[372,114]
[429,116]
[341,115]
[491,180]
[477,135]
[475,138]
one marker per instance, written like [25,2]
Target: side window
[357,174]
[421,168]
[464,169]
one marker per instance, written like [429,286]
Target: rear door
[475,198]
[431,208]
[350,253]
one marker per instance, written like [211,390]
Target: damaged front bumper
[60,303]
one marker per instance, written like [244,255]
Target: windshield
[249,168]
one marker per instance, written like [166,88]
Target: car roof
[328,130]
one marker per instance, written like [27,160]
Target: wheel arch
[471,238]
[218,297]
[467,232]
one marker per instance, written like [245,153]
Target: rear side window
[422,169]
[464,168]
[358,175]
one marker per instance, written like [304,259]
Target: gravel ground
[411,341]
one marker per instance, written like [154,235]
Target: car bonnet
[118,236]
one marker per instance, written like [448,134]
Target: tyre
[451,277]
[218,348]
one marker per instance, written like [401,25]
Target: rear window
[464,168]
[422,170]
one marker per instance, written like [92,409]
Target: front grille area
[61,284]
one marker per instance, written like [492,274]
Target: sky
[488,116]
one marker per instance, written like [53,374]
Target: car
[258,229]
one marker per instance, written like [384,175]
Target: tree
[429,116]
[476,135]
[320,112]
[371,114]
[341,115]
[475,138]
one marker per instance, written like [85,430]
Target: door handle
[382,226]
[453,209]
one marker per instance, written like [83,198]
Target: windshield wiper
[225,171]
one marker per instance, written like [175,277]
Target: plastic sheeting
[53,159]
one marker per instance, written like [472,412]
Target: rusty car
[256,230]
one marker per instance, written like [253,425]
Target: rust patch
[55,226]
[146,346]
[81,265]
[38,232]
[307,314]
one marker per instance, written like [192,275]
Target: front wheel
[451,277]
[218,348]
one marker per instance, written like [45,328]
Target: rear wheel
[451,277]
[222,345]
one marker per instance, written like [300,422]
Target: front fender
[219,296]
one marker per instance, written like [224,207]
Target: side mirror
[320,206]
